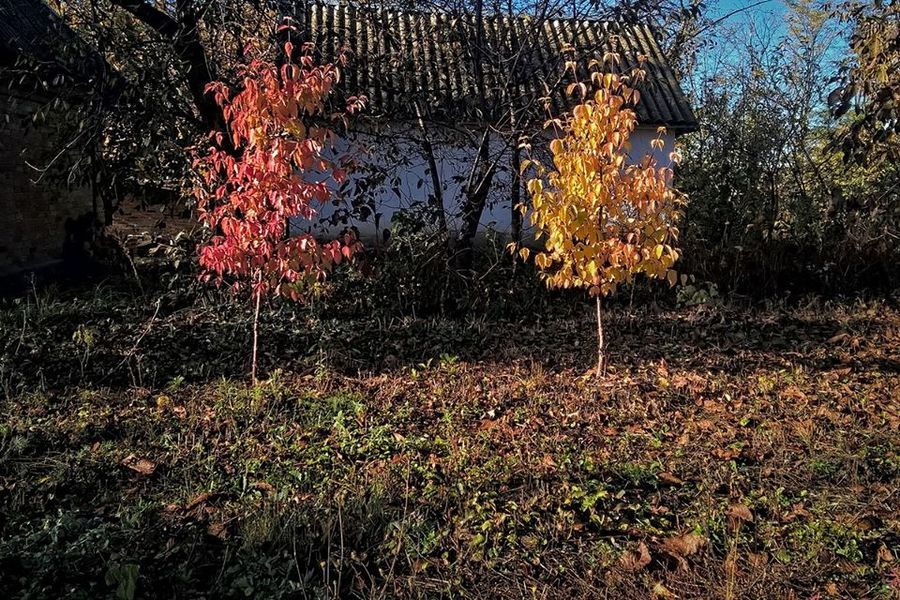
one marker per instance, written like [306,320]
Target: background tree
[870,81]
[164,54]
[602,220]
[280,173]
[774,205]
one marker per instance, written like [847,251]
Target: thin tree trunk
[516,196]
[256,337]
[601,358]
[476,193]
[437,198]
[482,173]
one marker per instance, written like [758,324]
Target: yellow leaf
[672,277]
[556,146]
[661,591]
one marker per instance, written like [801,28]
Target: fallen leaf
[661,591]
[757,559]
[198,500]
[219,530]
[839,337]
[739,513]
[884,555]
[263,486]
[682,546]
[637,559]
[726,453]
[669,478]
[139,465]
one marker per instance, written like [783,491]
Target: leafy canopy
[276,171]
[870,83]
[602,220]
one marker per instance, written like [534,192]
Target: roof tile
[402,57]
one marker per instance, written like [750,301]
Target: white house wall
[394,153]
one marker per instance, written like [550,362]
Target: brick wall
[35,217]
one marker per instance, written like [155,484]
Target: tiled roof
[30,28]
[26,26]
[398,57]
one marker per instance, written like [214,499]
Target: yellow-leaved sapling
[601,218]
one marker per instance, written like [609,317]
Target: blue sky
[757,24]
[749,13]
[754,10]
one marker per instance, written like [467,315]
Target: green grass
[429,458]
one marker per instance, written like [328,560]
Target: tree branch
[151,16]
[183,32]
